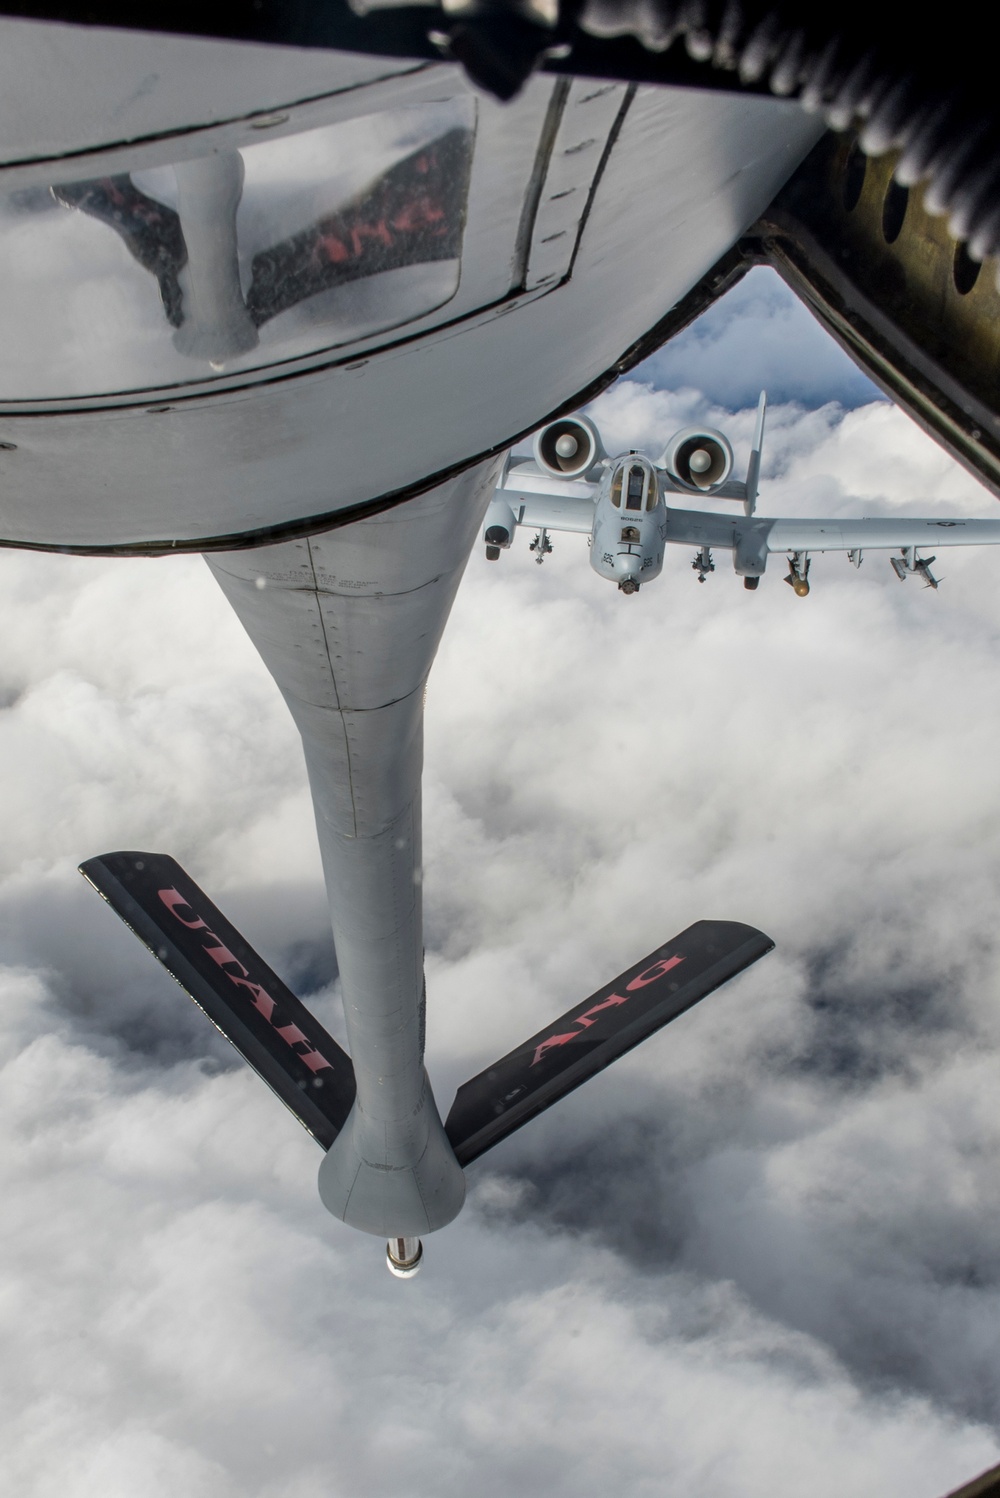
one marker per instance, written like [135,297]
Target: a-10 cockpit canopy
[636,481]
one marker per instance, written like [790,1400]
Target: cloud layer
[756,1257]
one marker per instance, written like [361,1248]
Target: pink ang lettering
[611,1002]
[553,1040]
[171,899]
[652,973]
[589,1017]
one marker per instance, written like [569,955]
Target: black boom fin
[595,1033]
[272,1030]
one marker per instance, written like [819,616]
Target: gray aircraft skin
[577,216]
[571,485]
[291,309]
[348,623]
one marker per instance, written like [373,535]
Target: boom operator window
[239,259]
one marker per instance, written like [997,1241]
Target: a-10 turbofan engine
[571,484]
[567,450]
[620,504]
[698,460]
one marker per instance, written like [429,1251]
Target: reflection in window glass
[236,260]
[616,489]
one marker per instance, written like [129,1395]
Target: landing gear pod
[698,460]
[498,528]
[568,448]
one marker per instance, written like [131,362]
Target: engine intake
[568,447]
[698,460]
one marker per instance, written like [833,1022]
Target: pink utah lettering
[259,997]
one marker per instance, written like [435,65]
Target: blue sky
[760,336]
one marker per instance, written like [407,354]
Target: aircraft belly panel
[66,89]
[591,113]
[351,619]
[204,470]
[305,674]
[362,765]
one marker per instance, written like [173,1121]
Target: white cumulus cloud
[756,1257]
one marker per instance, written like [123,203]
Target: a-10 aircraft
[571,484]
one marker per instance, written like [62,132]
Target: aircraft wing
[875,534]
[547,502]
[700,528]
[703,528]
[555,513]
